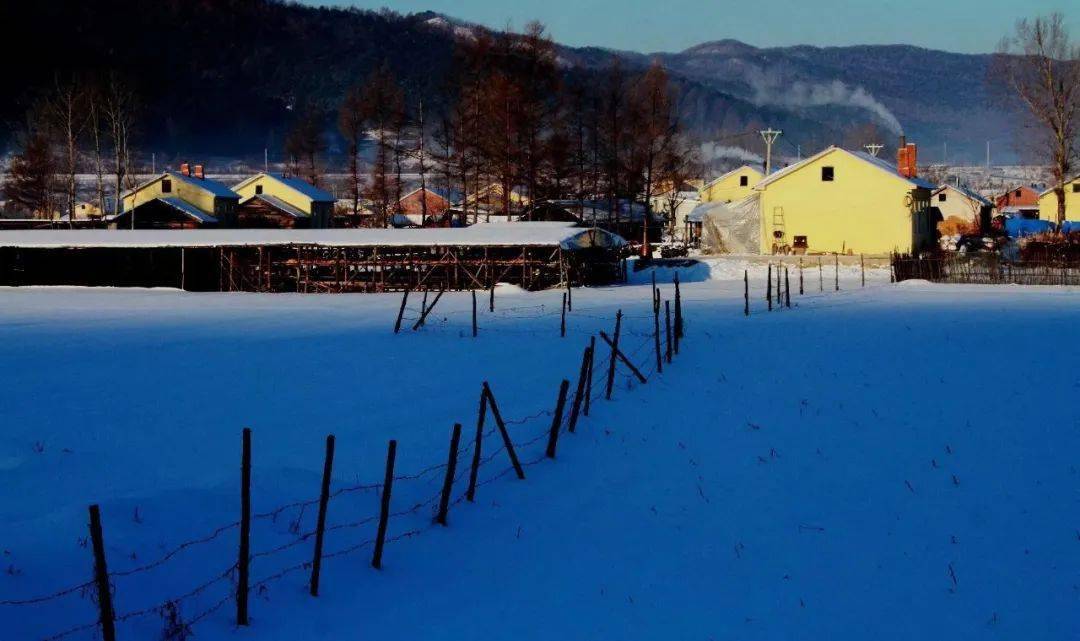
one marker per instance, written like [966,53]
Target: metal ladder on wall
[779,234]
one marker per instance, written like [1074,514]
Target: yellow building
[273,200]
[1048,202]
[183,199]
[732,186]
[840,201]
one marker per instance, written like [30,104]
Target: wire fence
[203,604]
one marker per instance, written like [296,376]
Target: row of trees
[515,123]
[82,122]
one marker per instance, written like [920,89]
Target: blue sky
[972,26]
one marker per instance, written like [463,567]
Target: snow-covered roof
[186,208]
[301,186]
[206,184]
[965,191]
[543,234]
[881,164]
[733,171]
[278,204]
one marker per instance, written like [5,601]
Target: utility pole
[988,154]
[266,160]
[798,152]
[874,148]
[944,153]
[153,163]
[769,136]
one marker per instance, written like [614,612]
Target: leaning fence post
[101,577]
[569,295]
[474,313]
[768,287]
[614,355]
[451,468]
[384,507]
[588,384]
[667,329]
[502,430]
[556,420]
[837,272]
[401,311]
[575,409]
[244,561]
[491,298]
[320,525]
[470,494]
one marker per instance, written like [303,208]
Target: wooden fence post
[470,494]
[320,525]
[614,352]
[667,329]
[474,313]
[384,507]
[862,265]
[800,276]
[556,420]
[427,310]
[451,469]
[837,272]
[562,318]
[680,330]
[779,293]
[401,311]
[787,289]
[491,298]
[768,287]
[244,561]
[820,275]
[569,295]
[626,361]
[588,383]
[575,409]
[101,577]
[502,430]
[746,292]
[656,333]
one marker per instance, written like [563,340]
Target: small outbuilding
[276,201]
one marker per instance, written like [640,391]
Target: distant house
[1022,200]
[274,200]
[178,200]
[961,207]
[1048,202]
[626,220]
[840,201]
[734,185]
[412,209]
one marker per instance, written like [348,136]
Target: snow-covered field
[895,462]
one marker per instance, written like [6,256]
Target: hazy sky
[973,26]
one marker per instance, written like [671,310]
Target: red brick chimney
[907,159]
[199,171]
[185,169]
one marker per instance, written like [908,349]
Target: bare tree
[304,144]
[66,108]
[351,126]
[1041,66]
[119,109]
[31,181]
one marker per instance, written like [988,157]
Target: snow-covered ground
[894,462]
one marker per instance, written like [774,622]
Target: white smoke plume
[714,151]
[770,89]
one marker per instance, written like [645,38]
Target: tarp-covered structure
[729,228]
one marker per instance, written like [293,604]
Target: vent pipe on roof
[198,171]
[185,169]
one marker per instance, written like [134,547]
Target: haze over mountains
[223,78]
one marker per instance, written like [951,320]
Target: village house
[1048,202]
[276,201]
[848,202]
[1021,201]
[962,209]
[412,209]
[178,200]
[735,185]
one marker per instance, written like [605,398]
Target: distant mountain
[225,77]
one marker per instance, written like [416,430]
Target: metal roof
[296,184]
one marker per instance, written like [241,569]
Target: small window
[1076,188]
[1017,194]
[258,189]
[744,181]
[941,197]
[166,186]
[827,174]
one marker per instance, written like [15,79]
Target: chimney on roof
[185,169]
[199,171]
[906,158]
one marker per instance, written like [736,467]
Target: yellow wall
[181,189]
[728,190]
[1048,203]
[275,188]
[863,210]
